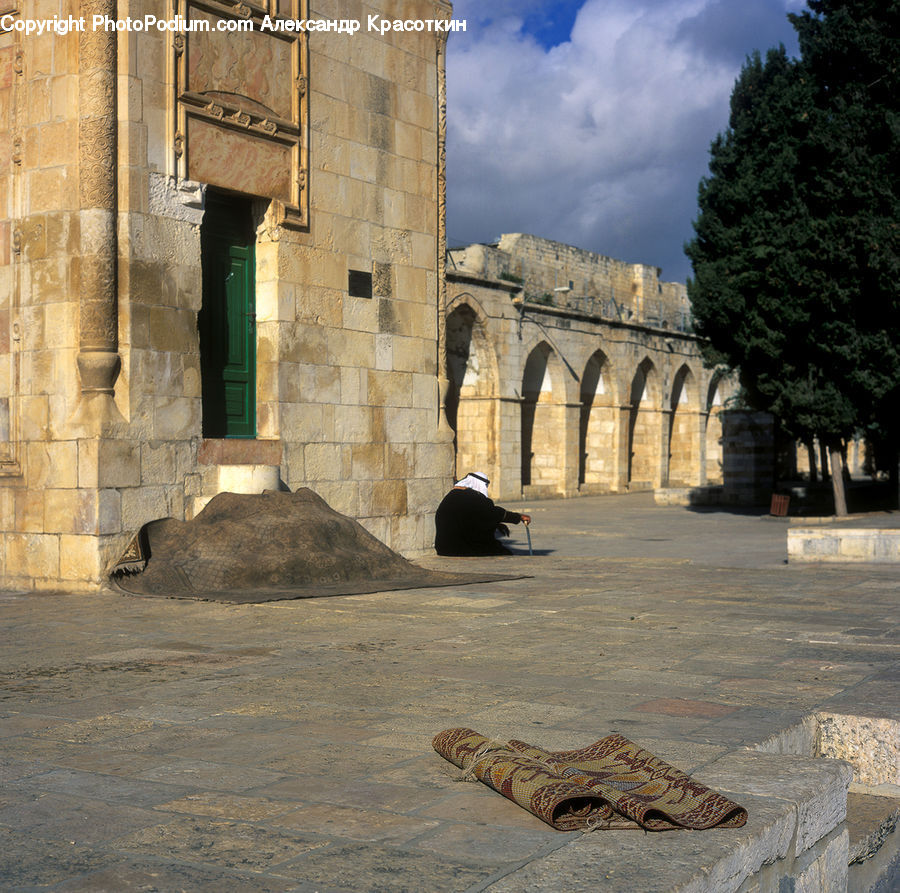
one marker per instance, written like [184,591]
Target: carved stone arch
[542,420]
[685,389]
[645,386]
[472,393]
[684,454]
[598,425]
[714,395]
[598,379]
[543,372]
[645,427]
[474,362]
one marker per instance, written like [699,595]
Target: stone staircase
[871,746]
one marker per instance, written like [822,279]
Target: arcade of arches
[552,401]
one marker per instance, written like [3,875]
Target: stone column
[508,481]
[619,480]
[660,476]
[702,422]
[443,383]
[98,340]
[571,464]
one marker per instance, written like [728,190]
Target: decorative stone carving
[98,359]
[245,101]
[443,382]
[97,162]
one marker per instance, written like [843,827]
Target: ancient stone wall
[45,514]
[561,390]
[113,149]
[562,276]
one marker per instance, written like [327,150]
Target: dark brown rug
[249,548]
[611,784]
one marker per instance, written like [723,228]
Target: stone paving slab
[286,746]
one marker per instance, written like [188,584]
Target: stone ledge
[794,835]
[870,743]
[844,544]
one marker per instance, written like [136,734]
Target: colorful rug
[611,784]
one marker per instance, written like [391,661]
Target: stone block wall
[568,277]
[355,401]
[47,516]
[347,387]
[748,456]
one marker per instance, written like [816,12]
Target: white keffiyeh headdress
[476,481]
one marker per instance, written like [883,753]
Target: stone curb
[844,544]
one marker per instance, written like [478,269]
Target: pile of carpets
[246,548]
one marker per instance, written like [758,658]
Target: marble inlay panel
[223,157]
[250,70]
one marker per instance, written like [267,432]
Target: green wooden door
[227,321]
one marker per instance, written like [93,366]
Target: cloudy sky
[589,121]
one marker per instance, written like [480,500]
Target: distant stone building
[572,373]
[221,257]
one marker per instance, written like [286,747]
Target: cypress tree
[795,256]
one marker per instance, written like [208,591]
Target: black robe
[465,522]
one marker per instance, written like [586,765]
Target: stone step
[243,478]
[871,744]
[874,840]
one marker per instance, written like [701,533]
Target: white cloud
[601,140]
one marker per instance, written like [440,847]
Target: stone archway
[543,420]
[597,434]
[471,404]
[684,431]
[644,429]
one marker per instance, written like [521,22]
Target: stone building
[572,373]
[221,257]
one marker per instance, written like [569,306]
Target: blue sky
[589,121]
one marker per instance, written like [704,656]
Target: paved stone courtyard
[159,744]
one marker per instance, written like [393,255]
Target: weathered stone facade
[575,373]
[128,160]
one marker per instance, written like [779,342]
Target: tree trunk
[837,481]
[811,456]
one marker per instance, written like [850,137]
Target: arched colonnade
[550,404]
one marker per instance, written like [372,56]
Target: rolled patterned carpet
[611,784]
